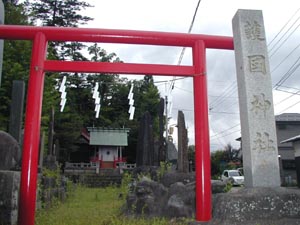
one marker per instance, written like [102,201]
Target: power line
[284,86]
[290,107]
[184,48]
[283,27]
[226,130]
[233,113]
[288,74]
[296,92]
[284,39]
[182,89]
[285,58]
[229,91]
[227,134]
[286,98]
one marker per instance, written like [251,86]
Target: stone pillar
[41,152]
[259,145]
[145,145]
[16,109]
[1,41]
[51,133]
[183,161]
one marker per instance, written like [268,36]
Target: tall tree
[16,59]
[60,13]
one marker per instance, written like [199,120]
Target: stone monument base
[258,203]
[9,196]
[254,206]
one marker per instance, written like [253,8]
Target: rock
[172,177]
[148,198]
[177,208]
[10,152]
[50,162]
[146,170]
[217,186]
[181,201]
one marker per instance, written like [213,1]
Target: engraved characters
[260,105]
[253,31]
[263,143]
[257,63]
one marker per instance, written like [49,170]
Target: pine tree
[60,13]
[16,60]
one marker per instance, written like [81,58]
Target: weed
[81,209]
[164,168]
[228,187]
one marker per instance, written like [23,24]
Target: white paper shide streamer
[131,103]
[62,89]
[97,100]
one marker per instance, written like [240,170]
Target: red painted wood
[115,36]
[116,68]
[32,132]
[202,149]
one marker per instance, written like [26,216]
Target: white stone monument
[259,141]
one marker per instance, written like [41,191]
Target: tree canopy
[79,109]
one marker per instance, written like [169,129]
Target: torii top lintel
[18,32]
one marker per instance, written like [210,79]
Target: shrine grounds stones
[173,196]
[10,152]
[9,197]
[183,162]
[10,158]
[145,154]
[249,204]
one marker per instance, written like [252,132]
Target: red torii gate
[39,65]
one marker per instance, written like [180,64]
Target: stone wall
[173,196]
[51,189]
[106,177]
[9,197]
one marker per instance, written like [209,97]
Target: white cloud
[214,17]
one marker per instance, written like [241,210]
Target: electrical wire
[226,134]
[276,67]
[289,20]
[290,107]
[226,130]
[184,48]
[284,40]
[289,73]
[228,92]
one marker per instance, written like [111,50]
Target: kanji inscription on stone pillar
[259,145]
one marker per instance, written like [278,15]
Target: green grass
[94,206]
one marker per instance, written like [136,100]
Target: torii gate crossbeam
[39,65]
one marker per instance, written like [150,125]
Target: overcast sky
[214,17]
